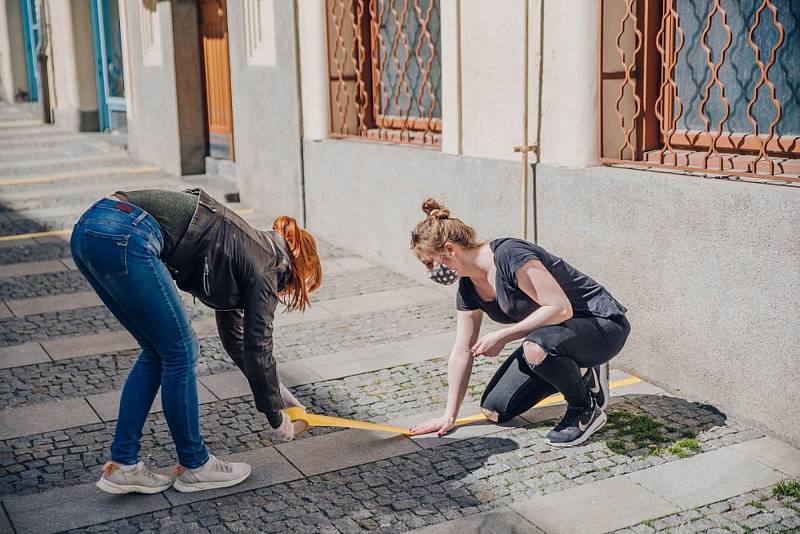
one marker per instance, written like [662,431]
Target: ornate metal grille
[385,70]
[702,84]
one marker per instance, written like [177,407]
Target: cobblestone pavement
[762,511]
[419,488]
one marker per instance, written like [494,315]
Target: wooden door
[214,36]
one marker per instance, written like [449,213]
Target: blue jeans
[116,246]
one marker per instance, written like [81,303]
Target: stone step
[57,164]
[50,416]
[665,489]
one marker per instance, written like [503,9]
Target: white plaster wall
[153,130]
[569,87]
[492,67]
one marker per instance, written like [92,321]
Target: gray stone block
[5,524]
[5,313]
[39,418]
[78,346]
[32,267]
[53,303]
[706,478]
[19,355]
[772,452]
[339,450]
[76,507]
[605,505]
[501,520]
[107,404]
[268,468]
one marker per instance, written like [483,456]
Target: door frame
[106,103]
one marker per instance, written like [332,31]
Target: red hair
[306,268]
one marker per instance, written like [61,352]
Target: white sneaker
[140,480]
[213,474]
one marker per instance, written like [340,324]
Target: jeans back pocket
[106,254]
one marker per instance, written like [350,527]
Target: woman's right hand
[290,429]
[440,425]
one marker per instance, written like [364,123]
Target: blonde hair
[438,227]
[306,268]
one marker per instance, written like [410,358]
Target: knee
[534,354]
[491,415]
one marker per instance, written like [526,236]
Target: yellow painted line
[67,231]
[20,123]
[555,399]
[81,174]
[312,420]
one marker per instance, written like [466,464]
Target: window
[702,84]
[385,70]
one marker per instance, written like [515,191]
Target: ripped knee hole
[534,353]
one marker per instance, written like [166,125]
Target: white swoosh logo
[584,427]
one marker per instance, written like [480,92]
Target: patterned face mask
[443,274]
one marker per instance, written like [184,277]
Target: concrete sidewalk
[372,347]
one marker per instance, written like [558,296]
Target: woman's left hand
[490,345]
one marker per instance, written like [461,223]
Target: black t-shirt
[511,304]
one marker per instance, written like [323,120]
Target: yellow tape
[312,420]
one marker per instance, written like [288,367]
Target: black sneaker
[596,380]
[576,426]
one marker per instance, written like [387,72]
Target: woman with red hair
[130,247]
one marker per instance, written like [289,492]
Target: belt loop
[140,218]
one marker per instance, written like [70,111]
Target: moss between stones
[787,488]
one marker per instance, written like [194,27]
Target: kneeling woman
[130,247]
[567,322]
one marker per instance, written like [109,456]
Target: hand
[289,400]
[489,345]
[440,425]
[290,429]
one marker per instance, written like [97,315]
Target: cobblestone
[757,511]
[38,462]
[84,376]
[41,252]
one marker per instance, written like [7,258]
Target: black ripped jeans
[579,342]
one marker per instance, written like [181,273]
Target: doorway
[216,65]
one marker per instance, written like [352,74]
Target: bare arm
[554,308]
[459,369]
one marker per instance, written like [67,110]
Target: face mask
[443,274]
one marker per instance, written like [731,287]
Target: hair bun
[434,210]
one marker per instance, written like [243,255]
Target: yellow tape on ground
[312,420]
[68,231]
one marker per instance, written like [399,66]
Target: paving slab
[340,450]
[5,313]
[376,357]
[380,301]
[69,264]
[31,267]
[600,506]
[269,468]
[315,313]
[53,303]
[707,478]
[503,520]
[24,242]
[76,507]
[339,265]
[107,404]
[40,418]
[79,346]
[232,384]
[475,430]
[25,354]
[772,452]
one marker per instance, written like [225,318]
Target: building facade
[654,144]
